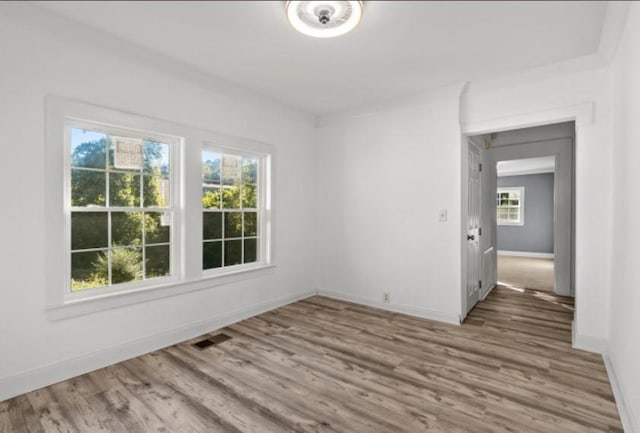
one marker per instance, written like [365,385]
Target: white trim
[397,308]
[526,254]
[587,342]
[507,173]
[107,301]
[625,410]
[583,114]
[189,261]
[44,376]
[613,28]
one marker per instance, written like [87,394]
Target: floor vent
[211,341]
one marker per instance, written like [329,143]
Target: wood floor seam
[322,365]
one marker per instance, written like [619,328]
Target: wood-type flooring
[323,365]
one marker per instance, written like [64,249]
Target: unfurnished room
[320,216]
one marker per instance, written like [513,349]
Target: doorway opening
[525,223]
[524,238]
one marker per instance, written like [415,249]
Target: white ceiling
[399,49]
[543,164]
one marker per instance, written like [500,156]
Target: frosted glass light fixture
[324,19]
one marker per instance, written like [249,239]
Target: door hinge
[479,167]
[479,284]
[480,231]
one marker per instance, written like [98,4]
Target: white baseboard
[629,420]
[48,375]
[396,308]
[526,254]
[587,342]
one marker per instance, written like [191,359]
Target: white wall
[42,55]
[379,179]
[521,103]
[624,333]
[382,177]
[369,242]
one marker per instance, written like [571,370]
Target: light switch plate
[443,215]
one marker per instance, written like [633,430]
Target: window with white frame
[120,207]
[510,206]
[121,229]
[233,190]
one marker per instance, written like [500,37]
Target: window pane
[211,225]
[157,263]
[89,230]
[86,270]
[249,170]
[250,250]
[514,202]
[250,224]
[157,227]
[88,188]
[211,162]
[249,199]
[126,228]
[232,252]
[211,255]
[124,189]
[156,191]
[232,224]
[126,265]
[231,197]
[502,214]
[88,148]
[156,158]
[210,197]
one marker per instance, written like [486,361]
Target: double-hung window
[120,208]
[233,210]
[139,208]
[510,206]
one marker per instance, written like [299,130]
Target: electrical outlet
[386,298]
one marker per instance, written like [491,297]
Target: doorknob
[470,237]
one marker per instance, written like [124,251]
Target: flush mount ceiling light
[324,19]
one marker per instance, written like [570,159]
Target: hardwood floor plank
[329,366]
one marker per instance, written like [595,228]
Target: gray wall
[536,235]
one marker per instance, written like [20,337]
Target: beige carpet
[525,272]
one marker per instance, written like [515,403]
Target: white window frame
[187,274]
[520,191]
[263,207]
[176,272]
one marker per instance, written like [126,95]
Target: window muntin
[232,209]
[510,206]
[119,201]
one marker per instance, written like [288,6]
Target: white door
[473,227]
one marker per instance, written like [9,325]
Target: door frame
[581,114]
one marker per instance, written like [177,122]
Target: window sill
[81,306]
